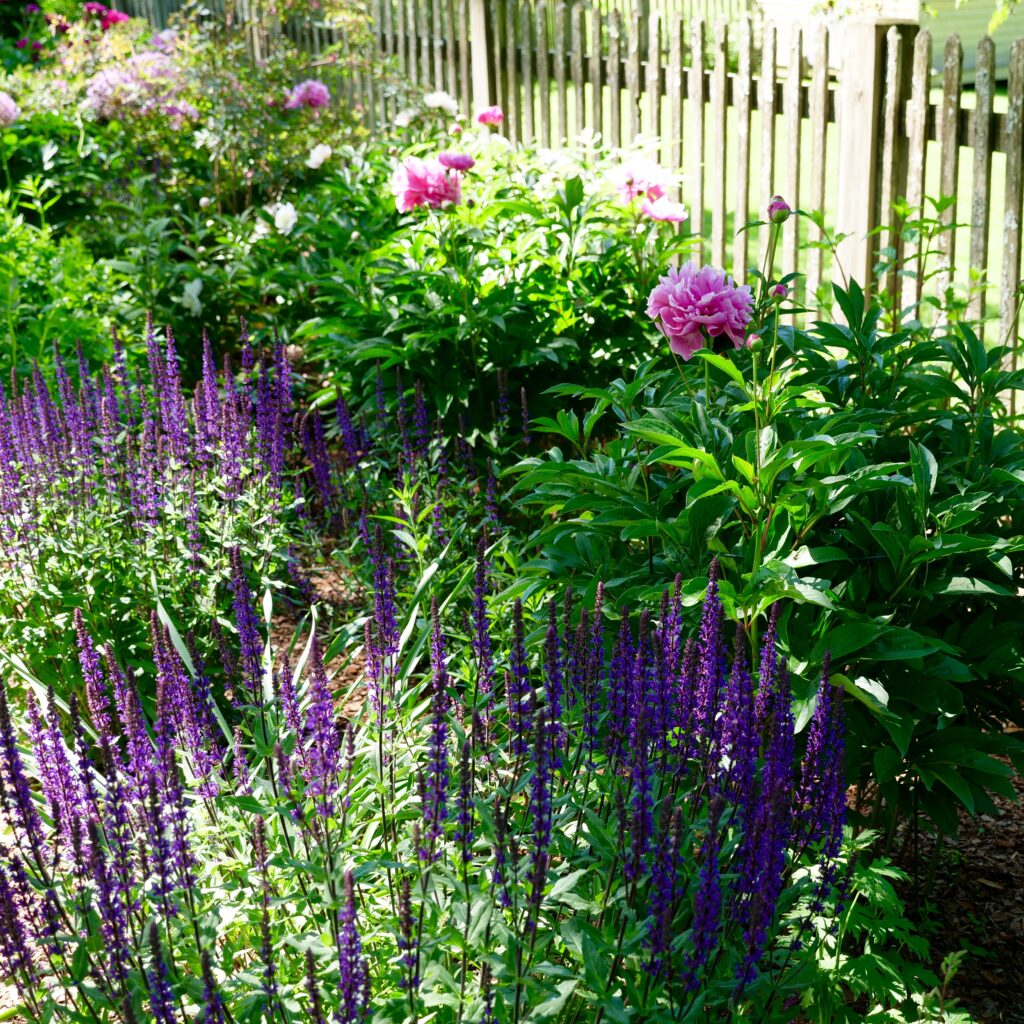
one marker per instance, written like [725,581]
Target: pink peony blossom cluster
[491,116]
[664,209]
[640,178]
[427,182]
[692,304]
[310,93]
[456,161]
[108,17]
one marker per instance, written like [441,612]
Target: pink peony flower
[640,178]
[456,161]
[94,8]
[425,183]
[9,111]
[664,209]
[691,304]
[112,18]
[778,210]
[779,291]
[310,93]
[492,115]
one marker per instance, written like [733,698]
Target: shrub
[865,479]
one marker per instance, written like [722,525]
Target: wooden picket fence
[843,121]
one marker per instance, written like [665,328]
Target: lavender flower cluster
[164,478]
[642,764]
[121,440]
[103,829]
[147,83]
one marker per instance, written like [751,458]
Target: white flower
[440,100]
[48,152]
[204,202]
[317,155]
[189,296]
[285,217]
[404,118]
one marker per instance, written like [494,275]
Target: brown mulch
[977,903]
[337,594]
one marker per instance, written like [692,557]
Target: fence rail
[845,121]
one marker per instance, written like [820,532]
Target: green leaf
[573,192]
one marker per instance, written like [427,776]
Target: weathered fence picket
[766,105]
[614,79]
[818,129]
[982,144]
[695,163]
[742,85]
[719,120]
[1013,146]
[794,125]
[543,48]
[560,74]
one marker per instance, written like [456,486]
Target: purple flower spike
[316,1006]
[519,692]
[322,766]
[435,796]
[407,937]
[353,972]
[248,628]
[213,1004]
[707,906]
[161,997]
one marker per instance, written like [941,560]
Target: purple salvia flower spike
[435,795]
[323,751]
[213,1003]
[353,971]
[161,997]
[518,690]
[316,1006]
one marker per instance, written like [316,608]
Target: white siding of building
[970,21]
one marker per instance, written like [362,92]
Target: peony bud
[778,210]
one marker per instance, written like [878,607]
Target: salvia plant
[539,813]
[119,485]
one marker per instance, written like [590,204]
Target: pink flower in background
[21,44]
[492,116]
[691,304]
[664,209]
[9,110]
[456,161]
[32,8]
[419,182]
[640,178]
[112,18]
[94,8]
[310,93]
